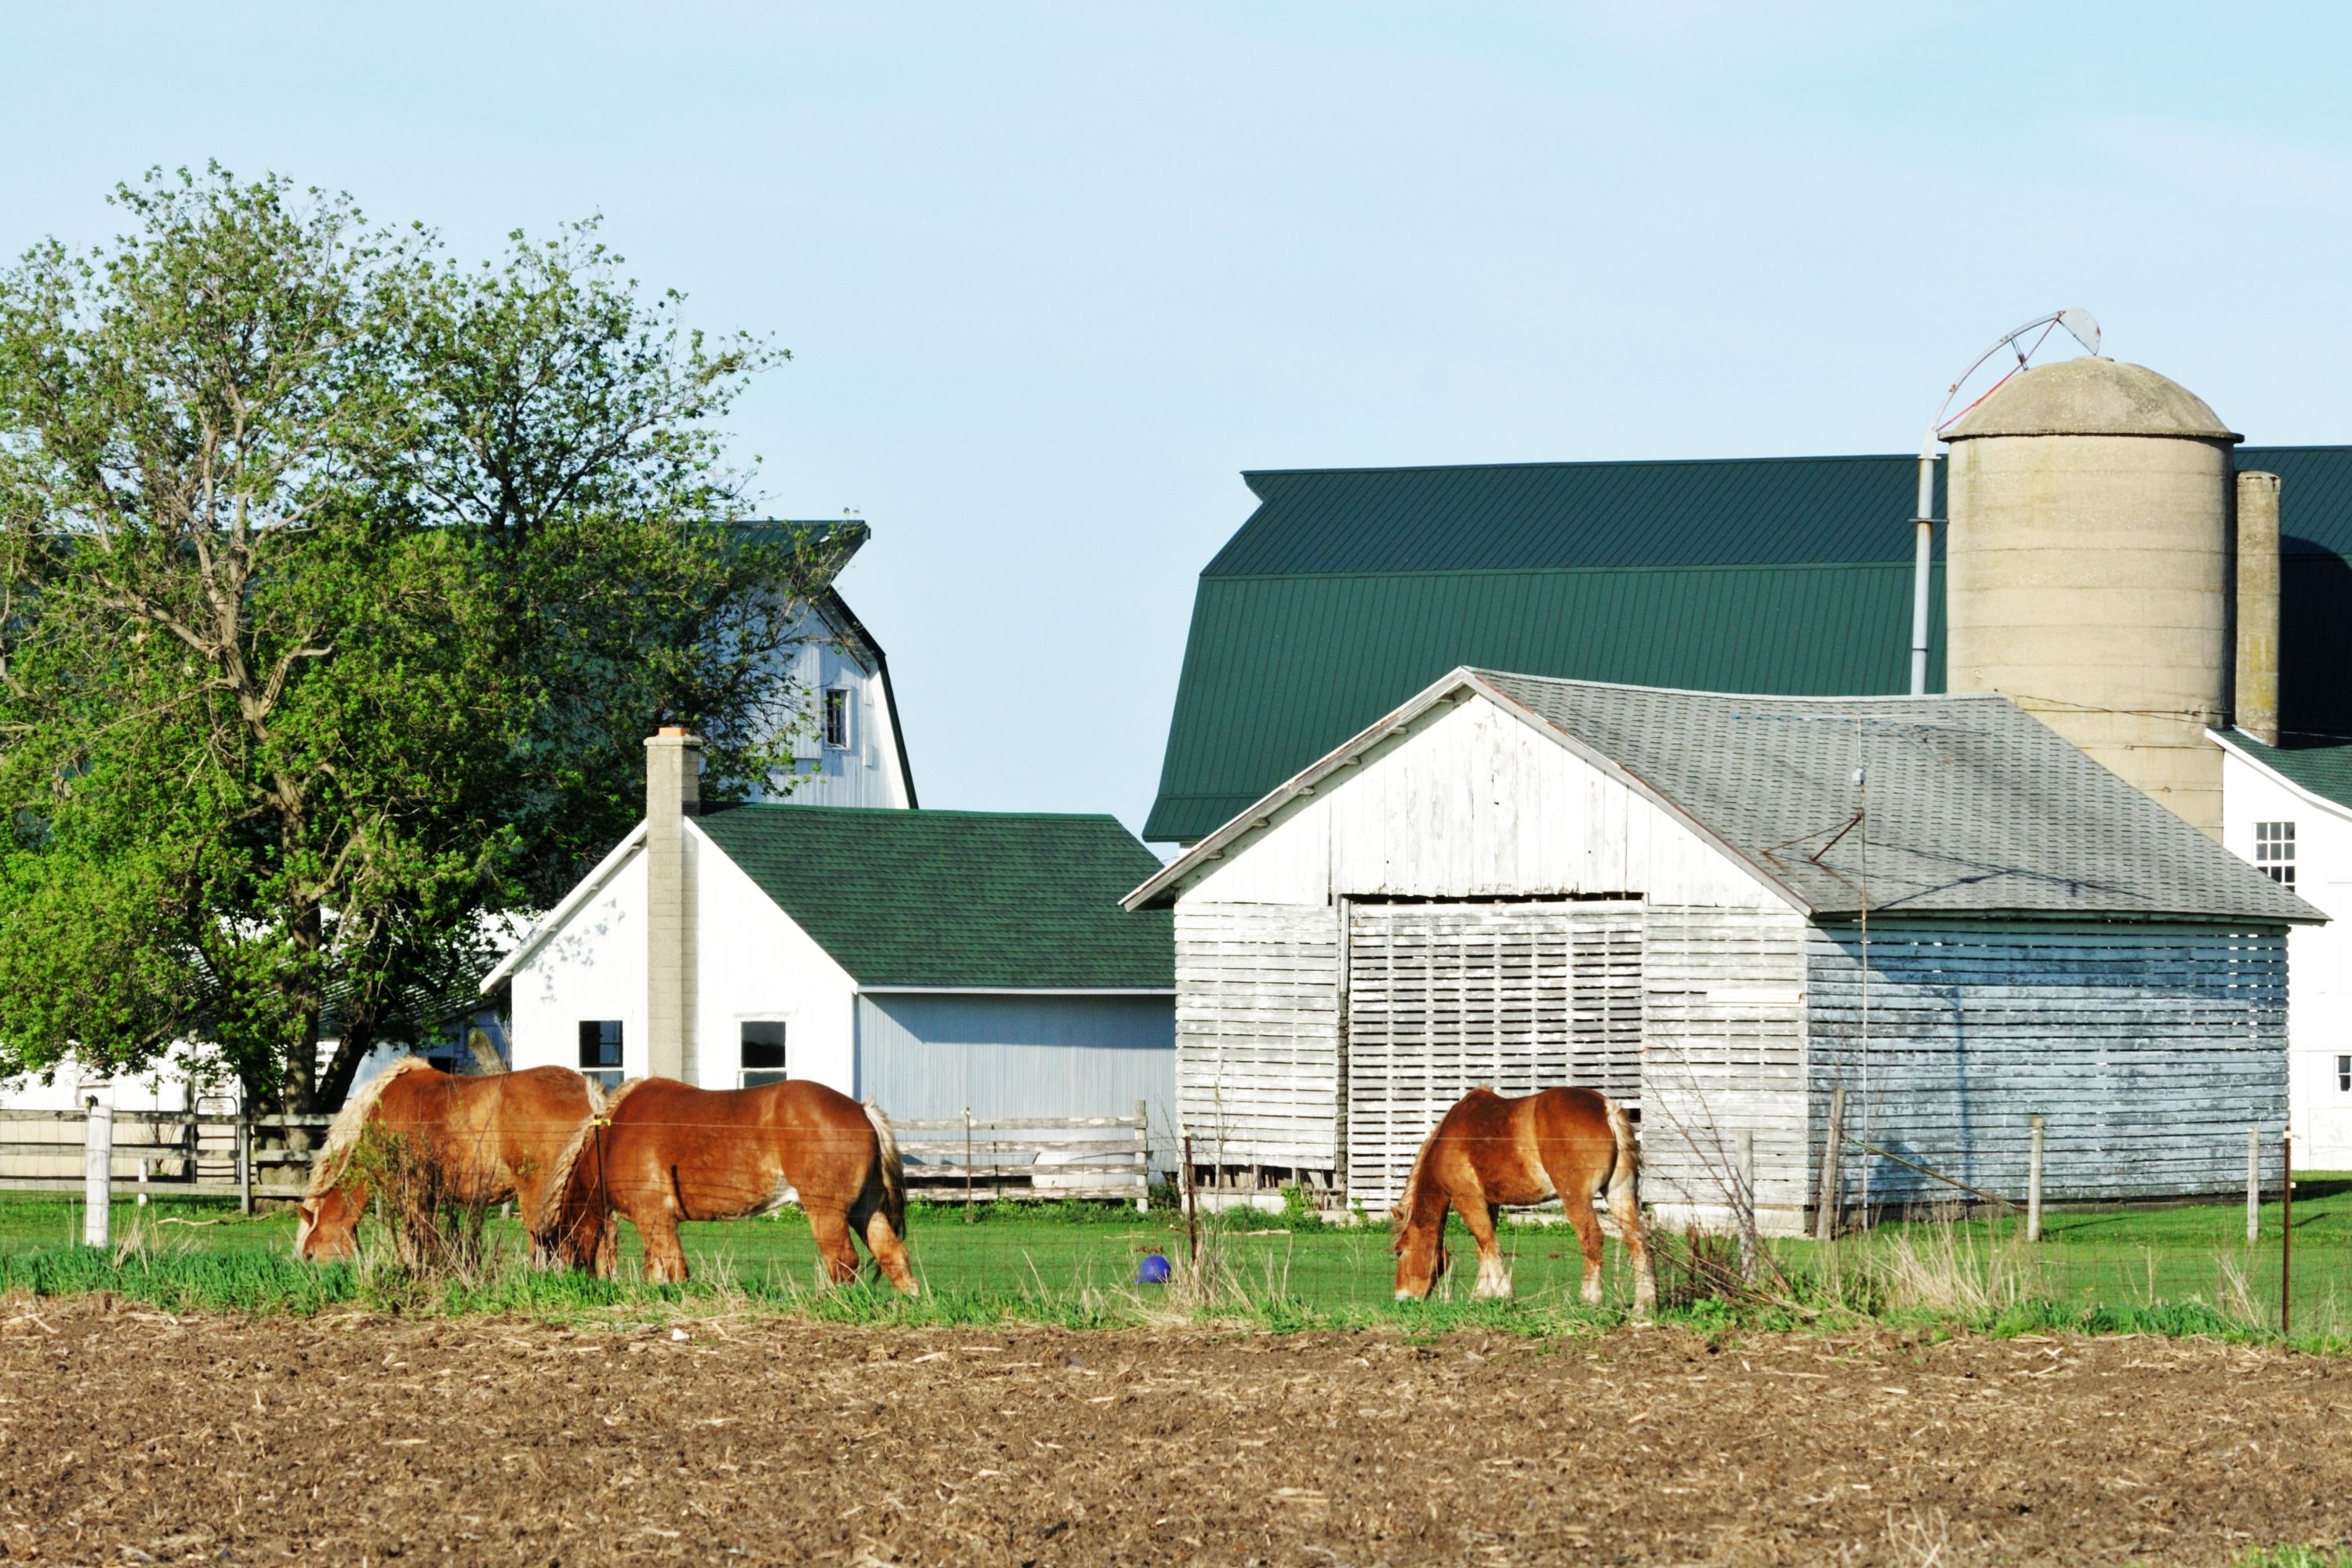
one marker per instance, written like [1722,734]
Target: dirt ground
[128,1436]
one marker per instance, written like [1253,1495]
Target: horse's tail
[1626,1205]
[893,1171]
[1624,1180]
[572,1222]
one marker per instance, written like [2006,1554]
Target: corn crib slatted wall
[2147,1049]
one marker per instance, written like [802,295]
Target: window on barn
[2343,1075]
[2275,851]
[600,1050]
[837,718]
[764,1053]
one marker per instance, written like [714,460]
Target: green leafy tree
[341,588]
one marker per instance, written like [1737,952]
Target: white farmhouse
[934,962]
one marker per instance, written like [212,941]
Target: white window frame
[607,1077]
[743,1074]
[846,740]
[2275,854]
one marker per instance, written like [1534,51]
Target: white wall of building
[2319,958]
[754,963]
[591,966]
[1475,803]
[867,769]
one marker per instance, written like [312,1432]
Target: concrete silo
[2088,569]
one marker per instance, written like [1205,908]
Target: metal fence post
[97,1176]
[2286,1224]
[1744,1216]
[2033,1184]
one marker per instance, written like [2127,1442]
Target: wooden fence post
[2033,1184]
[244,1160]
[97,1176]
[1143,1156]
[1825,1208]
[2253,1184]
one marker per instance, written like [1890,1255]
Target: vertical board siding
[931,1058]
[1725,1053]
[1444,997]
[2148,1049]
[1258,1032]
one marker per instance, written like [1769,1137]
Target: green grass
[2179,1270]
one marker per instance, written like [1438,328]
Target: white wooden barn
[1677,896]
[930,961]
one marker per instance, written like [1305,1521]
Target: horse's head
[1419,1251]
[328,1223]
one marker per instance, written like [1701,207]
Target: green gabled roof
[957,899]
[2325,768]
[1348,590]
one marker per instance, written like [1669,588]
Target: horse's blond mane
[1403,1207]
[344,1132]
[600,1112]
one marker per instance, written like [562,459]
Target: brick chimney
[673,793]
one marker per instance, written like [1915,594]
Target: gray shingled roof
[1974,806]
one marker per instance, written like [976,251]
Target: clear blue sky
[1053,273]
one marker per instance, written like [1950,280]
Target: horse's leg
[1577,1204]
[868,1218]
[665,1255]
[835,1250]
[1493,1279]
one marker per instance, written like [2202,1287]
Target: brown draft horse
[1490,1151]
[490,1138]
[664,1152]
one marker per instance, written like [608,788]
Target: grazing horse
[488,1139]
[1489,1151]
[666,1152]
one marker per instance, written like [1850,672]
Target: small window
[2343,1075]
[600,1050]
[764,1053]
[2274,851]
[837,719]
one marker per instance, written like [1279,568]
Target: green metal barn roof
[1350,589]
[956,900]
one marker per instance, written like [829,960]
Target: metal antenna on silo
[2084,330]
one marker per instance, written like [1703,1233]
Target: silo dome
[2094,396]
[2087,568]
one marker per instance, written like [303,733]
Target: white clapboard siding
[1725,1054]
[2147,1049]
[1257,1033]
[1444,997]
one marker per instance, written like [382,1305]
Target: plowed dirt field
[125,1436]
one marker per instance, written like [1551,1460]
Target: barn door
[1441,997]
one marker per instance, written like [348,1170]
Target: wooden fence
[961,1160]
[972,1159]
[160,1151]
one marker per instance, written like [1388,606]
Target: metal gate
[1442,997]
